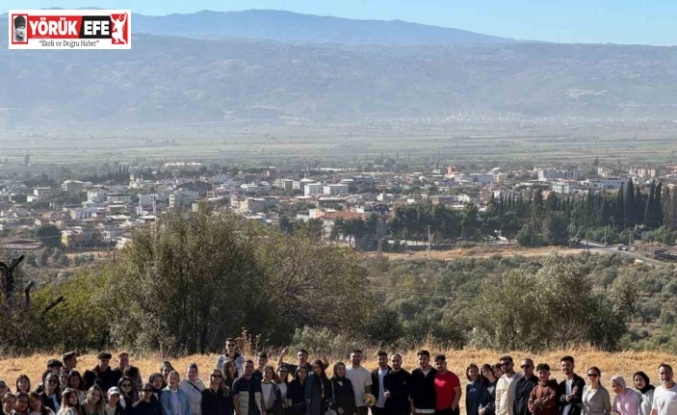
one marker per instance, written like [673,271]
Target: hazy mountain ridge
[179,80]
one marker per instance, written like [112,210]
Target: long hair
[36,396]
[133,392]
[99,406]
[28,381]
[57,388]
[75,374]
[467,372]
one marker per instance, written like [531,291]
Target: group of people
[237,386]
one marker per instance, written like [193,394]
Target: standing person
[70,361]
[296,392]
[397,385]
[318,393]
[543,398]
[174,401]
[447,388]
[9,404]
[301,355]
[282,382]
[595,399]
[627,401]
[665,395]
[147,404]
[93,404]
[75,382]
[129,393]
[157,381]
[124,368]
[113,406]
[134,374]
[165,369]
[230,375]
[51,395]
[524,387]
[497,369]
[105,377]
[247,392]
[377,383]
[488,400]
[21,406]
[23,384]
[216,400]
[270,392]
[506,387]
[644,386]
[36,406]
[193,387]
[70,404]
[423,385]
[360,378]
[473,390]
[570,390]
[231,353]
[261,362]
[343,393]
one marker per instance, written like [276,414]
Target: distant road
[610,250]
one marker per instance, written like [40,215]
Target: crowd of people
[238,386]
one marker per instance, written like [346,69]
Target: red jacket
[543,399]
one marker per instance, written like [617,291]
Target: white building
[335,189]
[313,189]
[565,186]
[41,192]
[609,183]
[72,186]
[97,196]
[182,198]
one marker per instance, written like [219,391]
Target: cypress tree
[619,210]
[629,209]
[639,206]
[658,205]
[649,210]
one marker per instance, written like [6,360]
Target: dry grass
[623,363]
[482,252]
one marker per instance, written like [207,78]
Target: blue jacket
[166,402]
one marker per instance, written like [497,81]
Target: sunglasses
[148,391]
[592,375]
[217,376]
[525,366]
[504,363]
[52,381]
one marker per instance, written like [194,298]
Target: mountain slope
[169,80]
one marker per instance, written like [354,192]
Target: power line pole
[429,242]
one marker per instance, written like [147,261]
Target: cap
[69,355]
[114,391]
[54,362]
[104,355]
[19,21]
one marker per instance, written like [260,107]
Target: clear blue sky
[651,22]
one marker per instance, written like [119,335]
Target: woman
[63,379]
[193,387]
[473,390]
[644,386]
[76,383]
[113,406]
[147,404]
[165,369]
[156,380]
[93,404]
[51,396]
[627,401]
[343,394]
[272,400]
[134,374]
[21,406]
[488,399]
[70,404]
[129,393]
[596,399]
[173,400]
[216,400]
[296,392]
[9,404]
[282,382]
[318,390]
[23,384]
[498,370]
[36,406]
[230,374]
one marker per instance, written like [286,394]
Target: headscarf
[647,383]
[619,380]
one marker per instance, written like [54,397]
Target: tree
[527,236]
[629,211]
[49,235]
[384,326]
[555,229]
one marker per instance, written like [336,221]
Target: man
[506,386]
[70,360]
[105,377]
[665,395]
[447,388]
[377,383]
[570,390]
[524,387]
[123,363]
[231,354]
[20,29]
[396,388]
[247,392]
[423,386]
[261,362]
[543,398]
[361,380]
[302,356]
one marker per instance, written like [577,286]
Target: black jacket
[522,390]
[579,383]
[49,402]
[375,387]
[217,403]
[106,379]
[147,408]
[399,385]
[423,389]
[296,393]
[344,396]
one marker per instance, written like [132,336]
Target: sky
[651,22]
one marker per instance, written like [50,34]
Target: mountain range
[184,79]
